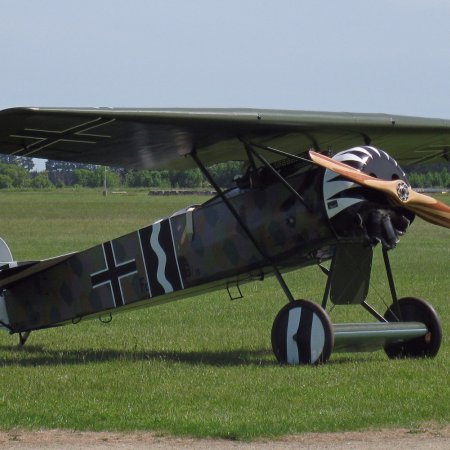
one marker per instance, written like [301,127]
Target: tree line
[18,172]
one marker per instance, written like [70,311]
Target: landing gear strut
[23,337]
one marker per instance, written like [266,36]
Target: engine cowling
[356,211]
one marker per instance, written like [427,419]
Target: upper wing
[163,138]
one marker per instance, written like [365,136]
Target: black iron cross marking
[113,274]
[45,138]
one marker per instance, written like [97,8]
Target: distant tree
[95,178]
[147,178]
[224,173]
[8,159]
[185,178]
[41,181]
[444,177]
[14,175]
[26,163]
[81,177]
[5,182]
[143,178]
[430,179]
[416,179]
[63,171]
[112,178]
[22,161]
[121,172]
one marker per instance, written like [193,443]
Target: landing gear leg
[412,309]
[23,337]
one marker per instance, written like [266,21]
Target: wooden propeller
[426,207]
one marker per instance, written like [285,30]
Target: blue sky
[348,55]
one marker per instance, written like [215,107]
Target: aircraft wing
[163,138]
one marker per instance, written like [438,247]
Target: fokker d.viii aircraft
[318,186]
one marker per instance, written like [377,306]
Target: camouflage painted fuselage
[195,250]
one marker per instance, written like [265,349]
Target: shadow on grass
[33,355]
[38,356]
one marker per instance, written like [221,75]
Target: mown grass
[204,366]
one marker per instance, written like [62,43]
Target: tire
[302,334]
[414,309]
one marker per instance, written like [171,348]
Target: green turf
[204,366]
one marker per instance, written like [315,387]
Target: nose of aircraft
[395,187]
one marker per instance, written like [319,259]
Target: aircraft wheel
[302,334]
[415,310]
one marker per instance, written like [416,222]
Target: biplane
[317,186]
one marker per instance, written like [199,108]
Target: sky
[348,55]
[390,56]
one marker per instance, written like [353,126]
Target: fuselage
[198,249]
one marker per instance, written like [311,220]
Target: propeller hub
[403,191]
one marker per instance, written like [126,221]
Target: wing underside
[163,139]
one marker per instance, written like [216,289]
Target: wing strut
[282,153]
[277,174]
[244,227]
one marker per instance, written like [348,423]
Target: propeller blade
[426,207]
[432,218]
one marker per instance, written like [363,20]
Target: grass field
[204,366]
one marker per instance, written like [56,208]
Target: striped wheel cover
[302,334]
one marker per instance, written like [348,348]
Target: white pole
[105,190]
